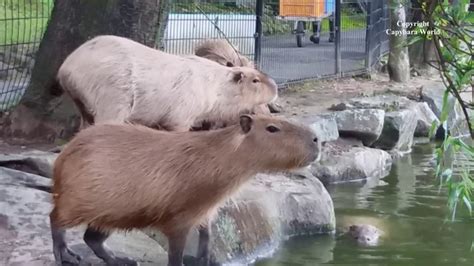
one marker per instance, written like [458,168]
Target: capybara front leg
[95,240]
[176,245]
[62,254]
[203,247]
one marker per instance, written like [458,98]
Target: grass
[23,21]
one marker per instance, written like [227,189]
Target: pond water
[407,205]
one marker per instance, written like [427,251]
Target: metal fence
[340,37]
[22,23]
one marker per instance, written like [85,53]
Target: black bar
[337,28]
[368,36]
[258,32]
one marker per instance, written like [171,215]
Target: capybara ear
[238,76]
[246,122]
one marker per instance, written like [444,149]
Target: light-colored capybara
[222,52]
[123,176]
[114,79]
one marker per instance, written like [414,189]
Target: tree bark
[398,60]
[423,53]
[72,23]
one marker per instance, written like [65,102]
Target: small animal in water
[123,177]
[365,234]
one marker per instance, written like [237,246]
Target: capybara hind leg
[62,254]
[176,245]
[95,240]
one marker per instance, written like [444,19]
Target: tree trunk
[398,61]
[44,111]
[423,53]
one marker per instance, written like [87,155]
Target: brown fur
[129,176]
[119,80]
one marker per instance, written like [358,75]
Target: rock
[34,162]
[387,102]
[365,124]
[398,130]
[346,160]
[433,94]
[325,127]
[426,117]
[25,236]
[266,211]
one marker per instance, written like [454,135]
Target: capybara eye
[256,81]
[272,129]
[229,64]
[315,140]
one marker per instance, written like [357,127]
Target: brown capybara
[123,176]
[116,79]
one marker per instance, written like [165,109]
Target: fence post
[337,28]
[368,37]
[258,32]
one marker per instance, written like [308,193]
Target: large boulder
[363,124]
[426,118]
[347,160]
[25,236]
[398,131]
[266,211]
[433,94]
[324,125]
[33,161]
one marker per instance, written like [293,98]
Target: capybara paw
[70,258]
[123,261]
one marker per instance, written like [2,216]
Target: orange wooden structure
[302,8]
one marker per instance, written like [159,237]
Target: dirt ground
[302,100]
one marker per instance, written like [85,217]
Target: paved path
[284,61]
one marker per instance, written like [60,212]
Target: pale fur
[129,176]
[226,54]
[222,52]
[119,80]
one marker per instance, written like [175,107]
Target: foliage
[23,21]
[451,30]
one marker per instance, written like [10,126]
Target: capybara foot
[68,257]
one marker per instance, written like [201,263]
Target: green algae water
[407,205]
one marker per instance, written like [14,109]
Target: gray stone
[387,102]
[426,117]
[363,124]
[266,211]
[25,236]
[34,161]
[398,130]
[433,94]
[346,160]
[325,126]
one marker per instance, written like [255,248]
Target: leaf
[445,108]
[468,204]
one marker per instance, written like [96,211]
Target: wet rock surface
[348,160]
[363,124]
[398,131]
